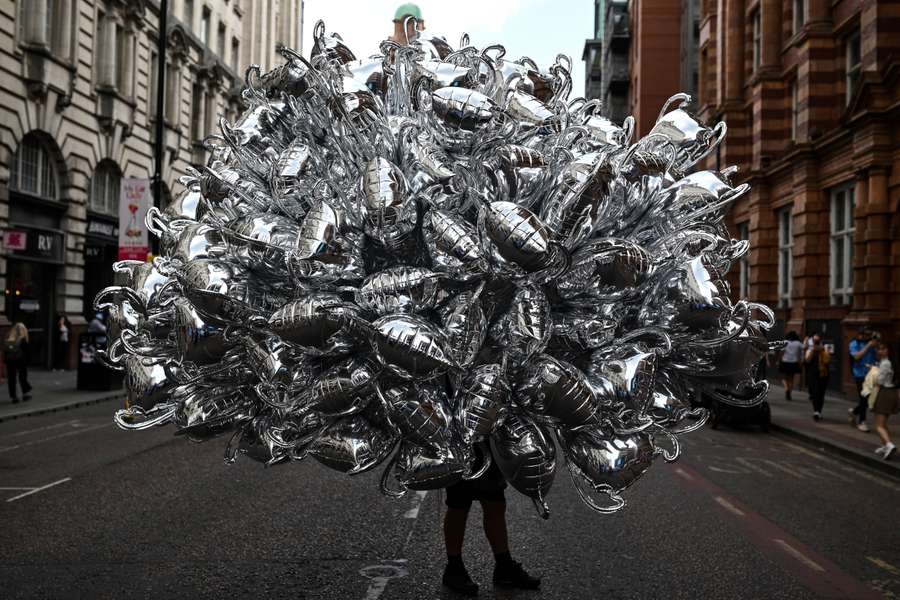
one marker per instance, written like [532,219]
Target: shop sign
[15,240]
[31,242]
[104,228]
[134,242]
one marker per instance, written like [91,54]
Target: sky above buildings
[540,29]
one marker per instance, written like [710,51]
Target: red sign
[15,240]
[133,204]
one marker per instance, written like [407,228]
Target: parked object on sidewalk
[16,357]
[92,374]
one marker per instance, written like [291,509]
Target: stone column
[105,51]
[734,49]
[36,20]
[771,32]
[861,192]
[877,240]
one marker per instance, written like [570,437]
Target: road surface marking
[22,487]
[749,464]
[413,512]
[54,437]
[723,470]
[381,574]
[785,469]
[73,423]
[681,473]
[39,489]
[800,556]
[884,565]
[859,471]
[874,479]
[811,569]
[730,507]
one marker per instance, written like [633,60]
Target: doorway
[30,299]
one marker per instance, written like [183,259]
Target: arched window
[33,170]
[105,186]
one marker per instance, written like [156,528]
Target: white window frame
[744,263]
[106,186]
[205,26]
[756,25]
[45,175]
[235,53]
[798,18]
[853,70]
[785,220]
[841,250]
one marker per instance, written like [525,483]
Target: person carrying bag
[15,355]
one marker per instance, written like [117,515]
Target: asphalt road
[90,511]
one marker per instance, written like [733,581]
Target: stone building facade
[78,115]
[810,91]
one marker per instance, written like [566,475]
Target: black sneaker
[15,400]
[512,575]
[459,581]
[26,397]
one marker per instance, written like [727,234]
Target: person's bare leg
[881,428]
[455,530]
[495,526]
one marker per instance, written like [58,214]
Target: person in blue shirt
[862,356]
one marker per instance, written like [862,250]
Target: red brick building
[654,58]
[810,90]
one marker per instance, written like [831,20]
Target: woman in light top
[886,402]
[789,365]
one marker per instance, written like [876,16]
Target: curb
[42,410]
[840,450]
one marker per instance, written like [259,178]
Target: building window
[105,186]
[756,20]
[53,28]
[121,58]
[220,41]
[32,170]
[799,7]
[785,255]
[795,109]
[854,64]
[198,101]
[744,263]
[235,53]
[189,14]
[204,26]
[152,85]
[843,203]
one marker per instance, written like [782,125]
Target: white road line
[884,565]
[729,506]
[785,468]
[749,464]
[879,480]
[413,512]
[683,474]
[799,556]
[54,437]
[40,489]
[73,423]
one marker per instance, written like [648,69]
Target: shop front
[34,259]
[100,252]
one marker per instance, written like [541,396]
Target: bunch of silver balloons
[433,259]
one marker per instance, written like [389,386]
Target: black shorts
[487,488]
[788,368]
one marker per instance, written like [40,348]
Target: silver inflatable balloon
[430,252]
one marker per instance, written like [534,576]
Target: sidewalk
[833,434]
[53,391]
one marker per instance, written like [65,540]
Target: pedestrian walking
[62,344]
[15,355]
[817,360]
[789,364]
[883,400]
[488,490]
[862,356]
